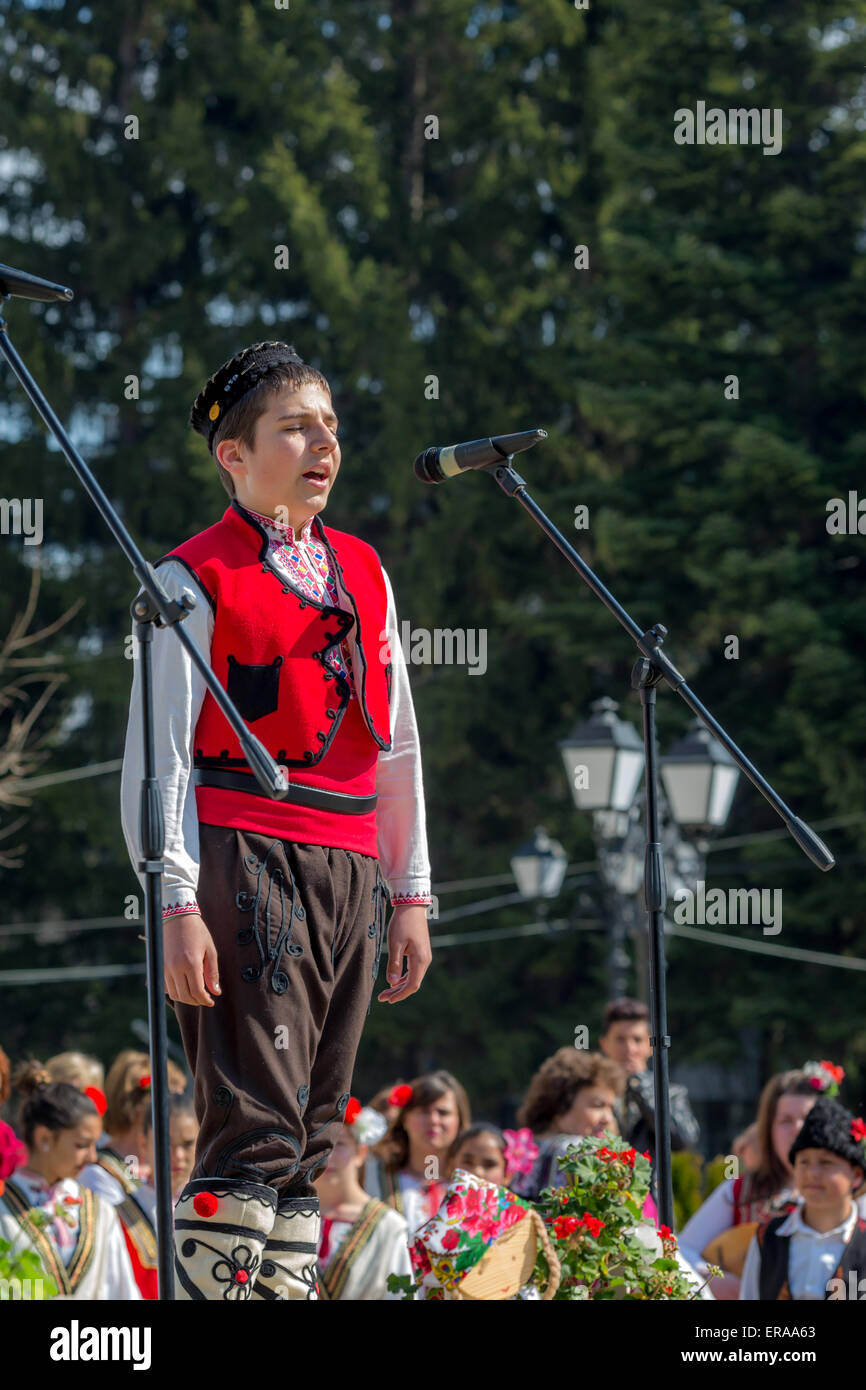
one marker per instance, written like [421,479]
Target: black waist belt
[299,796]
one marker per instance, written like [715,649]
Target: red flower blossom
[144,1083]
[400,1095]
[450,1240]
[593,1225]
[815,1082]
[12,1152]
[837,1073]
[565,1226]
[352,1111]
[858,1130]
[665,1232]
[72,1201]
[205,1203]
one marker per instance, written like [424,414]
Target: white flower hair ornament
[367,1124]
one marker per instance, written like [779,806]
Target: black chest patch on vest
[254,689]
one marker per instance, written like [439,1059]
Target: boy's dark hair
[624,1011]
[240,421]
[556,1083]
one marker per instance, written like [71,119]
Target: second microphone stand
[649,670]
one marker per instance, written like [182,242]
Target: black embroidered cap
[231,382]
[828,1126]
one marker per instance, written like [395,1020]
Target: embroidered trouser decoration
[288,1270]
[220,1230]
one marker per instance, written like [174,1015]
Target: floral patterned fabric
[472,1215]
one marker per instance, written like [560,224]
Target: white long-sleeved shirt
[813,1257]
[179,692]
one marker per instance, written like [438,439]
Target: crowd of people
[76,1169]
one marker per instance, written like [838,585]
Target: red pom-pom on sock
[204,1203]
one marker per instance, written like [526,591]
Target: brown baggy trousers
[298,931]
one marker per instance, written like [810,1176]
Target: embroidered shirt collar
[281,531]
[795,1225]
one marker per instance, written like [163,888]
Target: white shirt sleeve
[400,811]
[749,1285]
[178,693]
[710,1220]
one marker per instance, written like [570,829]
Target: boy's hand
[407,936]
[190,960]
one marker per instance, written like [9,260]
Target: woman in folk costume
[410,1173]
[818,1249]
[122,1169]
[362,1240]
[275,912]
[81,1243]
[720,1231]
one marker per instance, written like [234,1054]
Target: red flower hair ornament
[824,1076]
[400,1096]
[98,1098]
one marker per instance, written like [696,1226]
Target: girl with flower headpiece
[43,1208]
[362,1240]
[721,1230]
[411,1177]
[121,1171]
[483,1149]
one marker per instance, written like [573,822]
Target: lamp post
[604,763]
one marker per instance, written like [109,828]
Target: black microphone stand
[651,668]
[150,606]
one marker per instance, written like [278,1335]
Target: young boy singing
[274,911]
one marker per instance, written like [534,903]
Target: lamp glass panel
[552,873]
[629,767]
[687,786]
[527,876]
[722,793]
[599,773]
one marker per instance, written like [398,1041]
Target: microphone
[18,284]
[435,465]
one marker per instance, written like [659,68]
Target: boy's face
[823,1178]
[628,1043]
[296,434]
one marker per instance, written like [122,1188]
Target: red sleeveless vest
[271,651]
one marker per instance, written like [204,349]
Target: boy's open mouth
[317,475]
